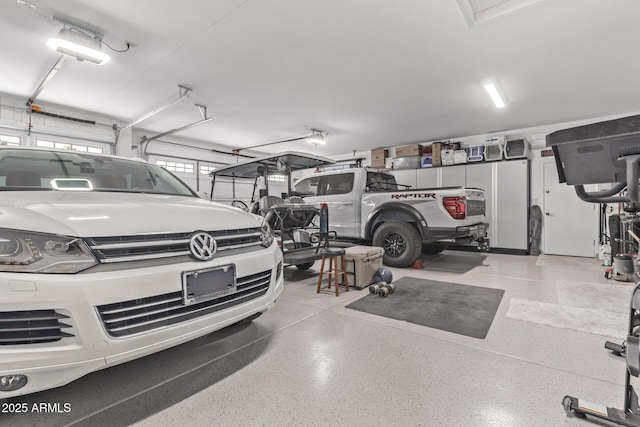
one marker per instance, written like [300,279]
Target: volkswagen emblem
[203,246]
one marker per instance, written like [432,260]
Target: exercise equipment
[603,153]
[375,288]
[386,290]
[383,275]
[382,289]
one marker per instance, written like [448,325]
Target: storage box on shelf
[378,157]
[459,156]
[475,153]
[409,150]
[447,155]
[436,154]
[516,149]
[493,152]
[426,161]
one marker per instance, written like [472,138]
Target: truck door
[339,192]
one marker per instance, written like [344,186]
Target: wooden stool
[336,269]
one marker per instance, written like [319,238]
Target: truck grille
[145,314]
[152,246]
[475,207]
[31,327]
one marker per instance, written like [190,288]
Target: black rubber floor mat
[461,309]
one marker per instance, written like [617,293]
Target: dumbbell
[375,288]
[386,289]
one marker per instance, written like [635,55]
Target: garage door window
[175,166]
[69,146]
[9,140]
[206,170]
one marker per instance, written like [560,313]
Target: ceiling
[371,73]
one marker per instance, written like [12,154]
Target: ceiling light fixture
[79,43]
[493,93]
[316,138]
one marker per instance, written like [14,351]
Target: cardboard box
[427,150]
[436,149]
[436,159]
[378,157]
[409,150]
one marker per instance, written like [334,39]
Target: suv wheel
[401,242]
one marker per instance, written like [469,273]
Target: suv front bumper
[91,347]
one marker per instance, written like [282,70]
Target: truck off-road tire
[401,242]
[433,248]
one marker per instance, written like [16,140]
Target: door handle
[547,214]
[347,203]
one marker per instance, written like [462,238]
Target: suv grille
[141,247]
[146,314]
[31,327]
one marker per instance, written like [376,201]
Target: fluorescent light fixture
[495,96]
[83,47]
[317,138]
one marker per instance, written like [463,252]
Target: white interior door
[569,224]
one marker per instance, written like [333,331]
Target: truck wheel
[433,249]
[401,242]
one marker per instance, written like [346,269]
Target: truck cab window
[307,187]
[337,184]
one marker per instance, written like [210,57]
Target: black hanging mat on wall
[461,309]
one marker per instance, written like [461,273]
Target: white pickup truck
[367,205]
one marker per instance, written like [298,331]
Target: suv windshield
[39,170]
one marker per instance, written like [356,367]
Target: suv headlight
[27,252]
[266,235]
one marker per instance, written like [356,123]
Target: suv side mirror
[204,195]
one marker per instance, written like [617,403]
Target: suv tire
[401,242]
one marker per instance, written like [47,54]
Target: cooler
[362,263]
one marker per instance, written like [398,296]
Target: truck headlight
[27,252]
[266,235]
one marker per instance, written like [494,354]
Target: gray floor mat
[461,309]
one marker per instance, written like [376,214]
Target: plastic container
[362,264]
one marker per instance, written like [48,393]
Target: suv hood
[99,214]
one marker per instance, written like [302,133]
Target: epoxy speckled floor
[311,361]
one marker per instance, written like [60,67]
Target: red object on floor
[417,264]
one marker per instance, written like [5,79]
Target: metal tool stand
[603,153]
[630,414]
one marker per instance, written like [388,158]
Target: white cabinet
[406,177]
[428,177]
[453,176]
[506,187]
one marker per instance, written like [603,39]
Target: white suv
[105,259]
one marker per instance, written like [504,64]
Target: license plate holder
[207,284]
